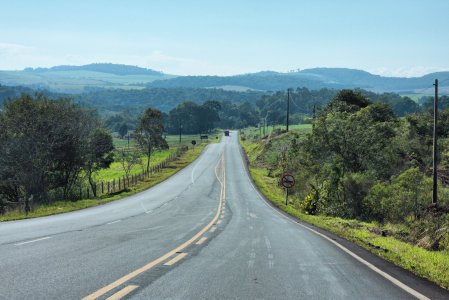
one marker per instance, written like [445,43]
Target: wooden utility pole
[288,107]
[180,132]
[435,146]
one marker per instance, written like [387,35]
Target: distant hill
[316,78]
[80,79]
[116,69]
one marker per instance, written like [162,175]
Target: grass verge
[431,265]
[67,206]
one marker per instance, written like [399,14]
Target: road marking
[113,222]
[218,222]
[32,241]
[202,240]
[387,276]
[148,211]
[176,259]
[267,242]
[167,255]
[123,292]
[193,170]
[213,229]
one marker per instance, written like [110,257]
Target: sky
[224,37]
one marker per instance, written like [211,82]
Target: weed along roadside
[116,188]
[381,239]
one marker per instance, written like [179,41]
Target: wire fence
[120,184]
[103,188]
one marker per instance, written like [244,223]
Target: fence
[102,188]
[123,183]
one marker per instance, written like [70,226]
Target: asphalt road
[205,233]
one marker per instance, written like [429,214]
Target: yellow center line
[123,292]
[155,262]
[176,259]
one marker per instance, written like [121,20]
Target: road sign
[287,181]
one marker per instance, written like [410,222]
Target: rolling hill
[316,78]
[80,79]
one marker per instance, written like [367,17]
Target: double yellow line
[221,176]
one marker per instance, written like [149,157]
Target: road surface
[205,233]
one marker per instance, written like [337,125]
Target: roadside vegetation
[57,157]
[364,174]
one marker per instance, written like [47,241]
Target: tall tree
[43,144]
[99,154]
[149,132]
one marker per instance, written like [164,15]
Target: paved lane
[261,255]
[69,256]
[203,234]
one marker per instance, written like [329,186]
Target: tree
[99,154]
[43,147]
[128,159]
[149,132]
[123,130]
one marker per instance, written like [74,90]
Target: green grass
[415,97]
[115,170]
[67,206]
[254,131]
[427,264]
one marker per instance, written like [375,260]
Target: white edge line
[387,276]
[32,241]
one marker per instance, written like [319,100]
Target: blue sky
[395,37]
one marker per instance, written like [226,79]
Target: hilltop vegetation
[79,79]
[318,78]
[116,69]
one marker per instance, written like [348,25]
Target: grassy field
[254,131]
[428,264]
[116,170]
[66,206]
[415,97]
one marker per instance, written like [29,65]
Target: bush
[406,196]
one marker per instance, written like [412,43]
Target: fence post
[81,193]
[113,185]
[108,187]
[102,187]
[87,189]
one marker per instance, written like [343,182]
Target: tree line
[49,147]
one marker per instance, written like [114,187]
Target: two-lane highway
[203,234]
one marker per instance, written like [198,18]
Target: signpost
[287,181]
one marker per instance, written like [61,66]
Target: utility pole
[288,106]
[180,132]
[313,116]
[435,146]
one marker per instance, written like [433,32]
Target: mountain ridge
[78,79]
[117,69]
